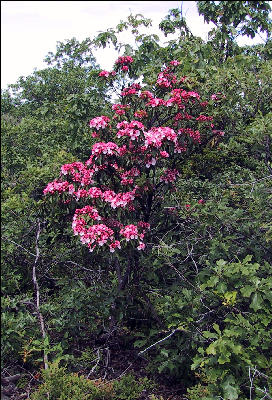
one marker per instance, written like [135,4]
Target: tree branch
[37,290]
[159,341]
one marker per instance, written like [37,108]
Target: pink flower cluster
[78,173]
[130,129]
[155,102]
[119,199]
[89,211]
[195,135]
[72,168]
[100,234]
[164,154]
[150,161]
[120,109]
[166,78]
[140,114]
[107,74]
[133,89]
[175,63]
[146,95]
[127,177]
[109,148]
[180,96]
[155,136]
[180,148]
[99,122]
[96,234]
[124,61]
[93,235]
[59,187]
[163,80]
[170,175]
[131,232]
[204,118]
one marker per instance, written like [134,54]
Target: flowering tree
[136,160]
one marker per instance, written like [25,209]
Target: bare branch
[37,290]
[159,341]
[251,183]
[18,245]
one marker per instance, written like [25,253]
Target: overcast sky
[30,29]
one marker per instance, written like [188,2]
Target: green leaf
[246,291]
[230,389]
[257,302]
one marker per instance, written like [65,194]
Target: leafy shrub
[61,385]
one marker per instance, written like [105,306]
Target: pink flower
[175,63]
[130,129]
[155,136]
[140,114]
[133,89]
[204,118]
[56,186]
[156,102]
[150,161]
[145,94]
[195,135]
[124,60]
[169,175]
[125,68]
[120,109]
[114,245]
[129,232]
[99,122]
[94,192]
[201,201]
[141,246]
[180,149]
[187,206]
[105,74]
[109,148]
[164,154]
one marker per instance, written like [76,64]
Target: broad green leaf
[231,391]
[257,302]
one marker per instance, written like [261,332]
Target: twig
[123,373]
[97,362]
[266,394]
[190,253]
[79,266]
[159,341]
[251,379]
[251,183]
[183,277]
[18,245]
[204,315]
[37,289]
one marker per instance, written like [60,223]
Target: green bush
[61,385]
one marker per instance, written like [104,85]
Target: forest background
[188,314]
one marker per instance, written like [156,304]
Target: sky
[30,29]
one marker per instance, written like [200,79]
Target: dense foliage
[162,168]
